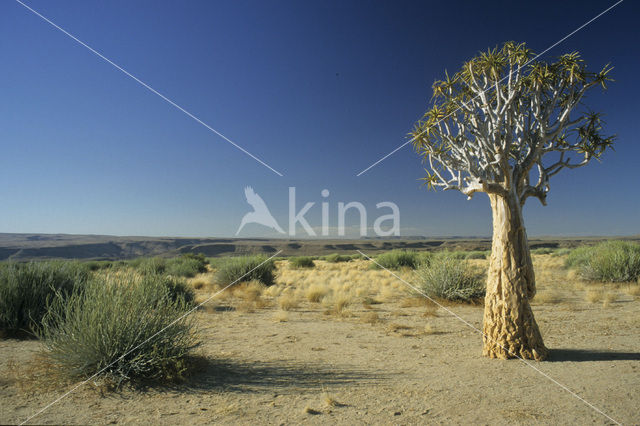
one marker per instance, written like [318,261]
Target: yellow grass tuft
[633,290]
[288,301]
[342,301]
[281,316]
[594,295]
[249,292]
[370,318]
[315,293]
[609,298]
[548,296]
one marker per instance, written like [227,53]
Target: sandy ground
[412,366]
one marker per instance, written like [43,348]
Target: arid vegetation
[124,320]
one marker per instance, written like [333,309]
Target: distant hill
[104,247]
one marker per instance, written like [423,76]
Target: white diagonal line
[146,86]
[491,88]
[473,327]
[147,340]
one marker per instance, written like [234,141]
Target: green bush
[131,327]
[336,258]
[562,252]
[462,254]
[396,259]
[451,279]
[610,261]
[96,265]
[543,250]
[150,265]
[302,262]
[187,266]
[176,288]
[26,290]
[476,254]
[246,268]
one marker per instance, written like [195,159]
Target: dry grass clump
[281,316]
[609,298]
[388,294]
[288,301]
[367,301]
[315,293]
[370,318]
[250,291]
[548,296]
[634,289]
[594,295]
[342,301]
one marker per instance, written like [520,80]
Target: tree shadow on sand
[254,377]
[583,355]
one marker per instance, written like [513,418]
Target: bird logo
[260,214]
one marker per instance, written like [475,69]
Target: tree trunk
[509,329]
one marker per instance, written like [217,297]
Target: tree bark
[509,328]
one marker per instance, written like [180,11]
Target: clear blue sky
[319,90]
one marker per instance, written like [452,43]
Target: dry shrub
[250,291]
[341,302]
[315,293]
[288,301]
[388,294]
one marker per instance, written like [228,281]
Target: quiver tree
[504,125]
